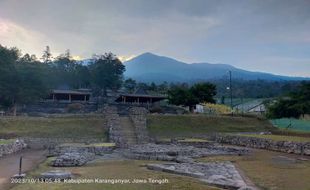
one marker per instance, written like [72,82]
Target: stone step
[128,130]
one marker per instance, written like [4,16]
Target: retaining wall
[302,148]
[12,147]
[42,143]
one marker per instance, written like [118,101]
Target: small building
[199,108]
[261,108]
[139,97]
[69,95]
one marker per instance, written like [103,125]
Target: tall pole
[20,165]
[230,88]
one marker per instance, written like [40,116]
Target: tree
[130,85]
[294,105]
[163,87]
[153,87]
[47,55]
[201,92]
[107,72]
[20,78]
[82,76]
[204,92]
[8,80]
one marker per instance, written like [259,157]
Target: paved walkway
[9,165]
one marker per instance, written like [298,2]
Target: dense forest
[25,78]
[241,88]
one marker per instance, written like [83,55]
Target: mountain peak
[149,67]
[148,54]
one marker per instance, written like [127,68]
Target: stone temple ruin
[129,133]
[222,174]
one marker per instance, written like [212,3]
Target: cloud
[14,35]
[279,65]
[124,58]
[233,32]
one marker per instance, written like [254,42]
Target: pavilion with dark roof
[69,95]
[140,96]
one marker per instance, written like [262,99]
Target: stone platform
[72,159]
[221,174]
[173,152]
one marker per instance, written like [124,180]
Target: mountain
[149,67]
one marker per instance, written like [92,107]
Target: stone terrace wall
[42,143]
[11,148]
[97,150]
[138,118]
[113,123]
[302,148]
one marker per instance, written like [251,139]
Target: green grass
[129,169]
[184,140]
[89,145]
[6,141]
[166,126]
[296,124]
[237,101]
[263,169]
[192,140]
[65,127]
[281,137]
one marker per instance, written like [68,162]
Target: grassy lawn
[296,124]
[281,137]
[89,145]
[8,141]
[163,126]
[267,173]
[53,127]
[129,169]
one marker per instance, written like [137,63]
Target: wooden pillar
[53,97]
[138,100]
[69,97]
[85,98]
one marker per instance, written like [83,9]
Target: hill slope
[149,67]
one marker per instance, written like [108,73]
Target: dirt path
[9,165]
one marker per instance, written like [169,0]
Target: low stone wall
[12,147]
[197,144]
[71,159]
[43,143]
[68,155]
[138,118]
[302,148]
[97,150]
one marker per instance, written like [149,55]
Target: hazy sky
[259,35]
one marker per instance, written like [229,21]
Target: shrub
[75,107]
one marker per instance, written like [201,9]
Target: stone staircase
[127,125]
[128,130]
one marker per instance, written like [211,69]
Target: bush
[216,108]
[75,107]
[156,110]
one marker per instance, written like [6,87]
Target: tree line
[25,78]
[241,88]
[295,104]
